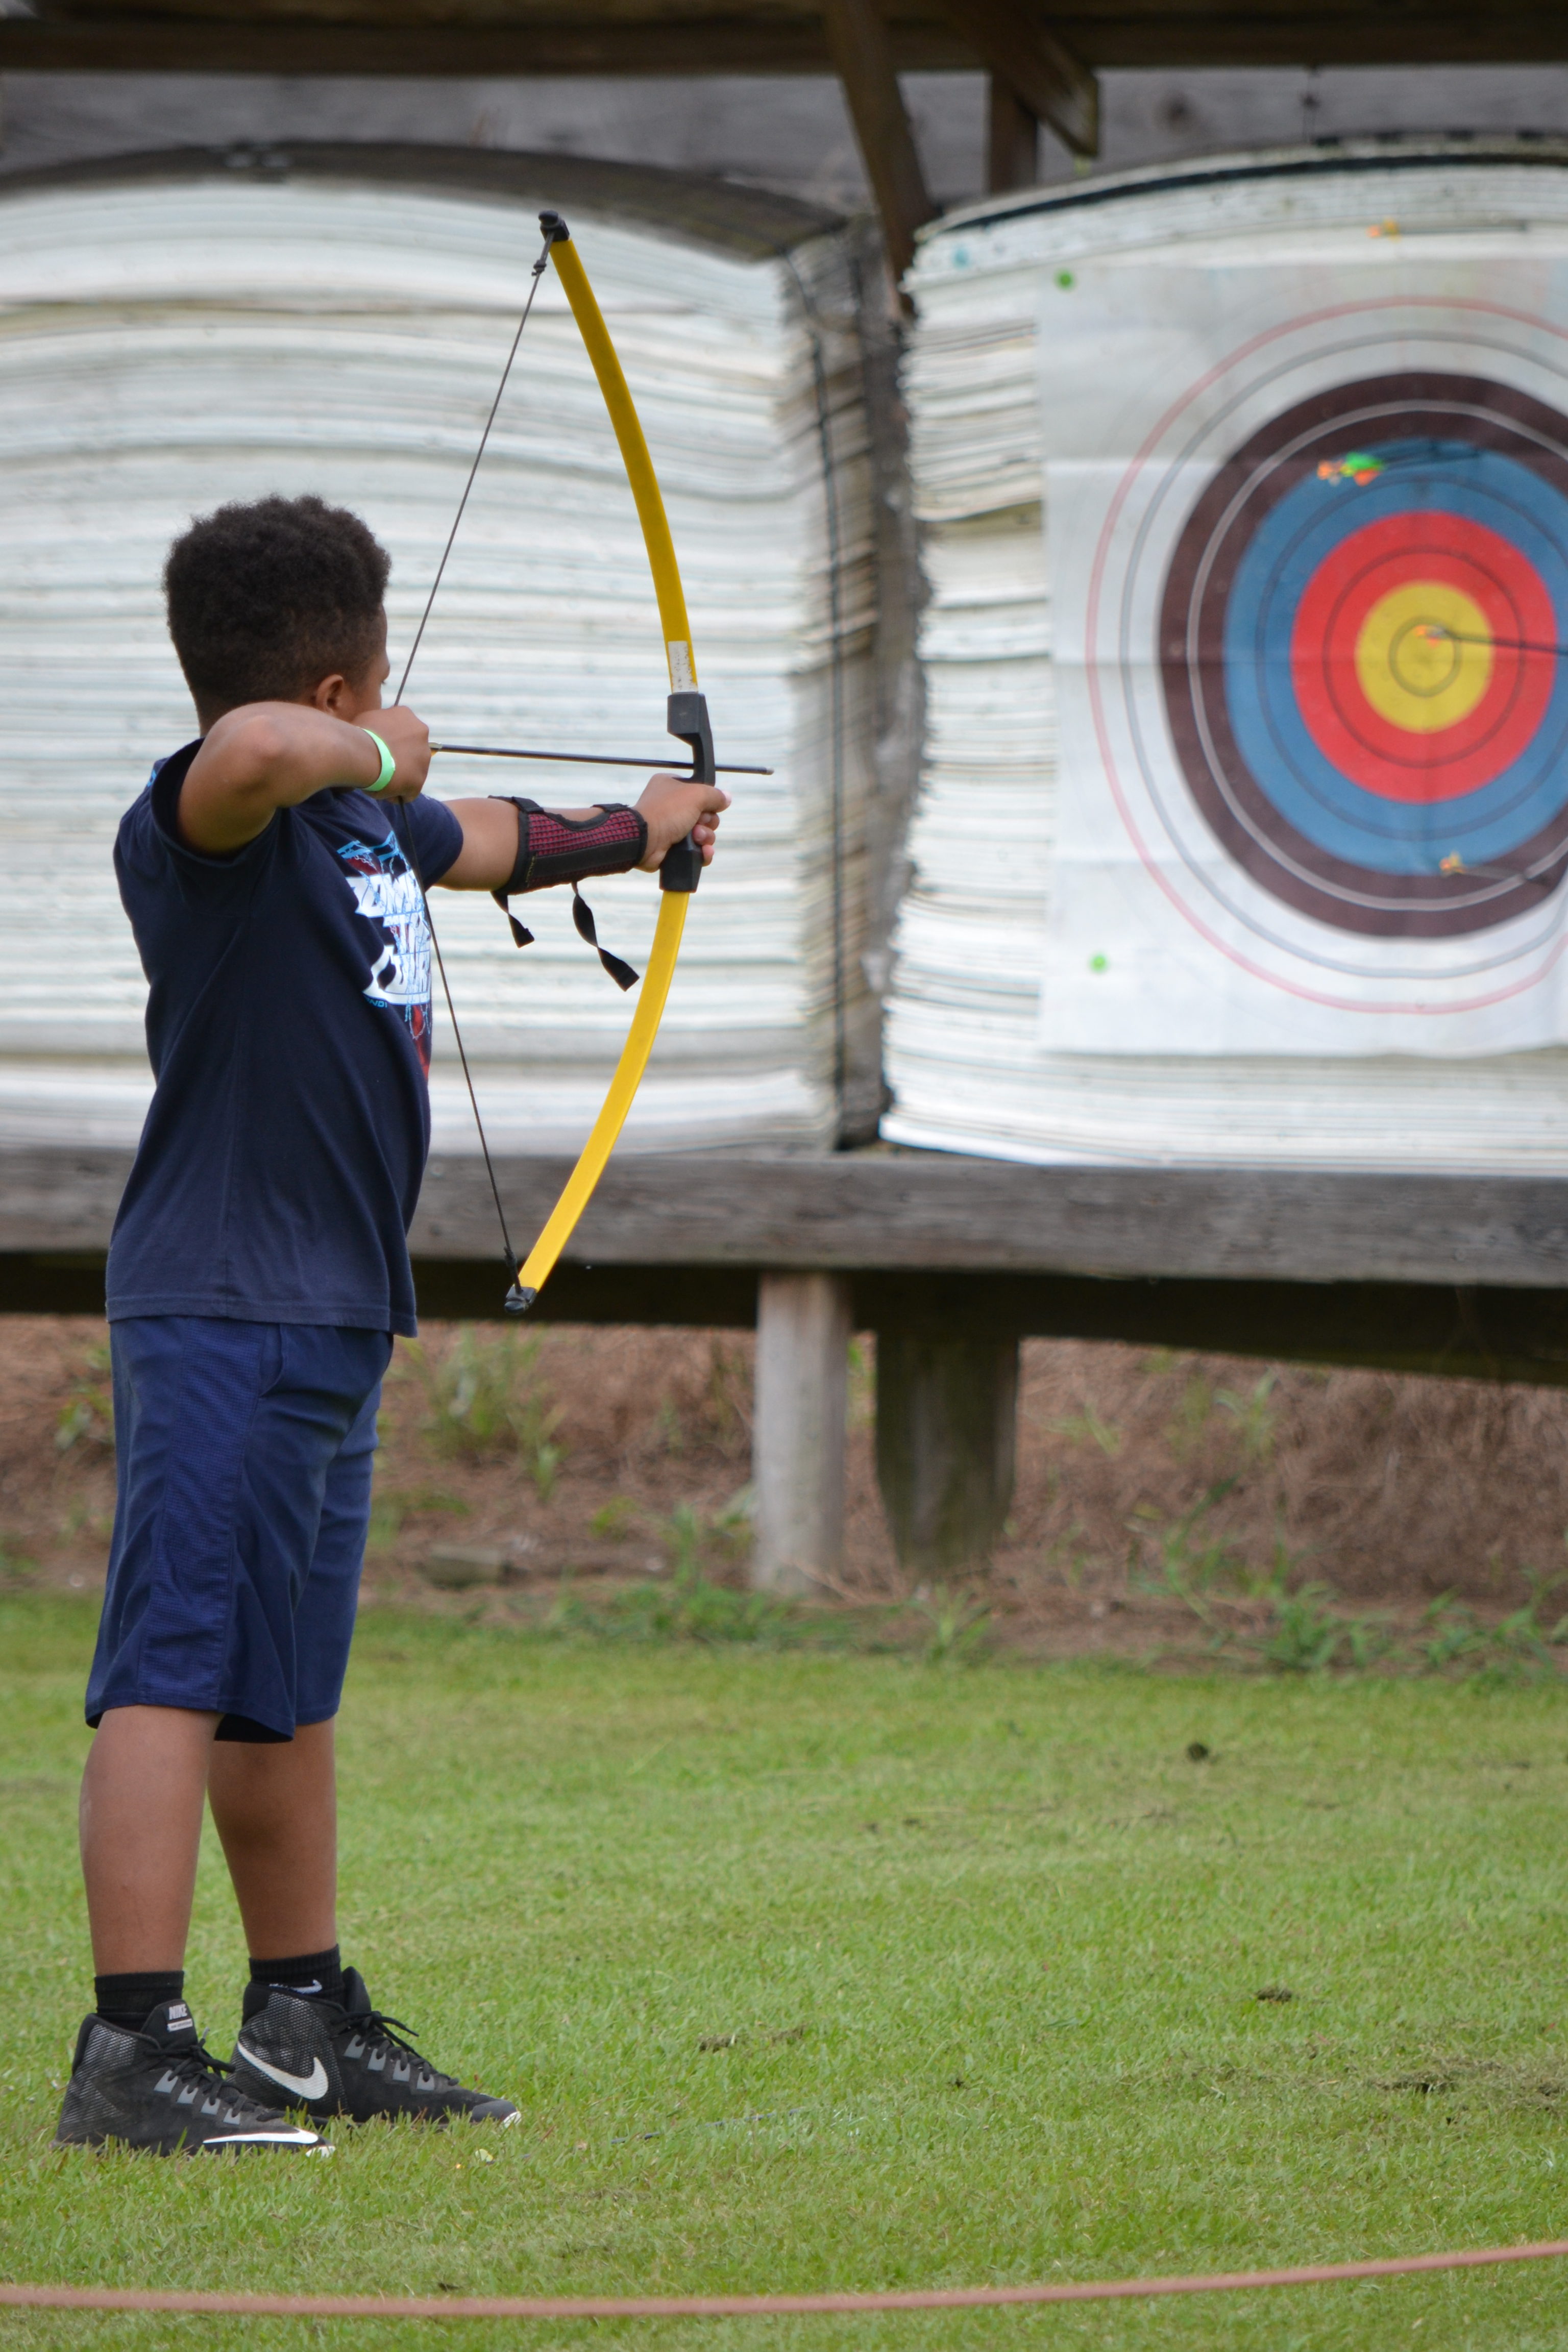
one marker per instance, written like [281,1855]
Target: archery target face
[1357,639]
[1308,574]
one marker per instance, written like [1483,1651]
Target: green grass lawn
[818,1971]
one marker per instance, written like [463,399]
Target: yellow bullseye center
[1414,658]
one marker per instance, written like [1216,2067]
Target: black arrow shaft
[1513,644]
[584,759]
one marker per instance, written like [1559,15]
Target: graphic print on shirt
[387,895]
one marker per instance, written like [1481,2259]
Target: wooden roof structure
[1042,63]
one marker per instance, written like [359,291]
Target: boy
[257,1272]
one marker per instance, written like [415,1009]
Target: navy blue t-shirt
[288,1029]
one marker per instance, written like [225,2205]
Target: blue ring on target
[1276,569]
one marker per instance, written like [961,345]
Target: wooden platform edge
[1508,1335]
[919,1214]
[1467,1277]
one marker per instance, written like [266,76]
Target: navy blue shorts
[243,1460]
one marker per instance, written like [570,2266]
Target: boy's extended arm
[271,755]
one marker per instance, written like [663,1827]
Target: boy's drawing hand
[671,807]
[407,739]
[264,756]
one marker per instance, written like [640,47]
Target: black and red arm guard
[553,848]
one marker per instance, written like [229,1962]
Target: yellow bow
[688,718]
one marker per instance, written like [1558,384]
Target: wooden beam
[1451,1331]
[1459,1332]
[925,1213]
[921,39]
[1125,37]
[862,56]
[1012,141]
[1042,73]
[589,43]
[728,39]
[919,1212]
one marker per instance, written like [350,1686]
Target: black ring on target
[1344,701]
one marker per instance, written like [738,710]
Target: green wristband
[388,764]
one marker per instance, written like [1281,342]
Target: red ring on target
[1394,761]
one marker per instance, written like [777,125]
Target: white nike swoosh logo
[304,2086]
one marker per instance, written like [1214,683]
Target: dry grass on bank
[1158,1496]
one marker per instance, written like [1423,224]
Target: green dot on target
[1100,963]
[1065,278]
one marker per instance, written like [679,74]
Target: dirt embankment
[619,1452]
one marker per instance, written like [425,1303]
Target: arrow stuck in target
[1454,863]
[1434,633]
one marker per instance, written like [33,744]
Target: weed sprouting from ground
[1522,1644]
[1189,1561]
[15,1564]
[958,1623]
[1254,1415]
[693,1536]
[613,1522]
[486,1397]
[1189,1424]
[1304,1628]
[693,1602]
[728,1398]
[1307,1634]
[86,1418]
[1087,1424]
[686,1607]
[392,1507]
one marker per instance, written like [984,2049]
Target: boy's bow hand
[673,806]
[407,739]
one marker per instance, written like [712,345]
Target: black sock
[307,1973]
[127,2000]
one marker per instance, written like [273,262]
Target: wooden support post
[862,55]
[797,1440]
[946,1433]
[1040,70]
[1013,140]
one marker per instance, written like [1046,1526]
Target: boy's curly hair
[265,601]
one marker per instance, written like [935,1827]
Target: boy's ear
[335,696]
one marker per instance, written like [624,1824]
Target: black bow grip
[688,718]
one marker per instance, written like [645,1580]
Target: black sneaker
[344,2058]
[160,2089]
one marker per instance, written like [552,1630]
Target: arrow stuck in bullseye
[1434,633]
